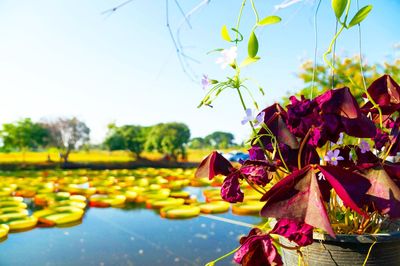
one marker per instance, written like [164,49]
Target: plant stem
[255,11]
[252,126]
[239,18]
[211,263]
[315,49]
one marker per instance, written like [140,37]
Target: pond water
[130,236]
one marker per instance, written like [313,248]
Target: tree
[67,134]
[169,139]
[128,137]
[197,143]
[220,140]
[346,67]
[24,134]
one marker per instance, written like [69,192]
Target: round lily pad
[248,208]
[4,230]
[22,224]
[180,212]
[161,203]
[214,207]
[59,215]
[106,200]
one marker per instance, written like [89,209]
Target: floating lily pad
[214,207]
[161,203]
[4,229]
[23,224]
[59,216]
[248,208]
[180,212]
[106,200]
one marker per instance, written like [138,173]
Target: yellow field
[92,156]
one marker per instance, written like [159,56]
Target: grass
[94,156]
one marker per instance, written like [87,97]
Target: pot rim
[364,238]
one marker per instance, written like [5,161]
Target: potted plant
[320,165]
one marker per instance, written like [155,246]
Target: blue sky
[64,58]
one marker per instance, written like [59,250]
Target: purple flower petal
[205,82]
[259,119]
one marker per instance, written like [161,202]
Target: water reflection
[129,236]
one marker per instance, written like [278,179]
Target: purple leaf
[384,193]
[257,249]
[278,127]
[256,153]
[230,190]
[349,186]
[214,164]
[298,232]
[257,171]
[386,93]
[341,102]
[298,197]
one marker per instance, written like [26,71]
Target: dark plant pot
[347,250]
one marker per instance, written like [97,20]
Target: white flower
[228,57]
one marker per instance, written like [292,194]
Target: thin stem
[360,52]
[315,49]
[369,252]
[303,143]
[251,124]
[334,58]
[211,263]
[251,96]
[252,185]
[284,246]
[239,18]
[276,146]
[255,11]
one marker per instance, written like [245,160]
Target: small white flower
[321,176]
[228,57]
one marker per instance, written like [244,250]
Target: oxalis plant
[320,163]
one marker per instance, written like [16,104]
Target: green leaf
[249,60]
[360,16]
[225,34]
[252,47]
[269,20]
[215,50]
[338,7]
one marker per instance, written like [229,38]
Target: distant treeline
[68,134]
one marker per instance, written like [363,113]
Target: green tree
[23,135]
[170,139]
[345,68]
[67,134]
[127,137]
[220,140]
[197,143]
